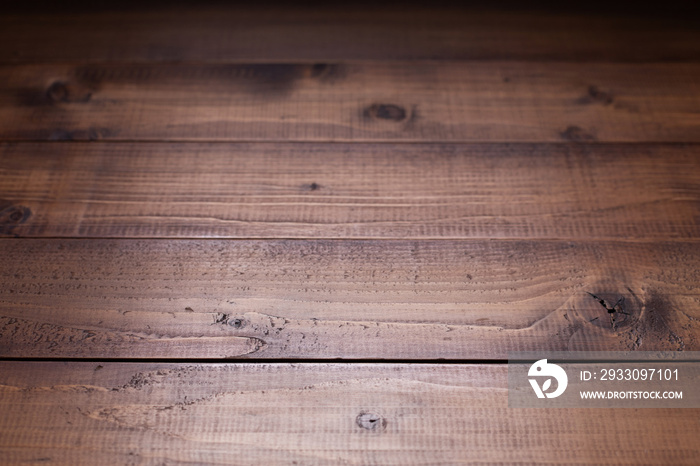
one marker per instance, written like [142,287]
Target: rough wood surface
[305,184]
[106,413]
[442,102]
[350,191]
[342,299]
[351,32]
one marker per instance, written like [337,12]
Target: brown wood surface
[343,299]
[107,413]
[420,102]
[350,191]
[185,185]
[346,32]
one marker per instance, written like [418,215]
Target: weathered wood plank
[453,101]
[88,413]
[353,32]
[269,190]
[342,299]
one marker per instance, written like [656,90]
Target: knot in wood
[371,421]
[14,215]
[386,112]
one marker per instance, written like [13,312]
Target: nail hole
[236,323]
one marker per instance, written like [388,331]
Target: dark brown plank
[351,32]
[88,413]
[350,190]
[342,299]
[467,102]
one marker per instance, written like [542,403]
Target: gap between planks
[252,361]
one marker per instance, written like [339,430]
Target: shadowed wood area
[421,102]
[343,299]
[350,190]
[312,414]
[367,32]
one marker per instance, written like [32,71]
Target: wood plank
[106,413]
[353,32]
[342,299]
[269,190]
[423,102]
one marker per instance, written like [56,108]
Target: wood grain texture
[88,413]
[350,191]
[342,299]
[419,102]
[305,184]
[352,32]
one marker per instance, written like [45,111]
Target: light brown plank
[468,102]
[351,32]
[350,190]
[88,413]
[342,299]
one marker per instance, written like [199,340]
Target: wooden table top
[240,234]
